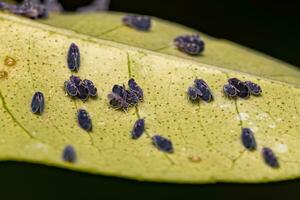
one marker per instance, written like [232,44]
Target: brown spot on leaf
[9,61]
[3,74]
[195,159]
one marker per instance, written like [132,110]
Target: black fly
[38,103]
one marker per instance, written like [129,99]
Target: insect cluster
[200,90]
[121,98]
[28,8]
[138,22]
[235,87]
[83,89]
[190,44]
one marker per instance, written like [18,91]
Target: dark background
[270,27]
[29,181]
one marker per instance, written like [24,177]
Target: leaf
[205,136]
[218,52]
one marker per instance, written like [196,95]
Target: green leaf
[206,136]
[218,52]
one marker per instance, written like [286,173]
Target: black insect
[230,90]
[117,102]
[75,79]
[254,88]
[89,85]
[190,44]
[83,92]
[12,7]
[73,57]
[38,103]
[193,93]
[206,94]
[248,139]
[270,158]
[120,91]
[200,90]
[24,10]
[121,98]
[69,154]
[71,88]
[84,120]
[242,89]
[30,8]
[42,11]
[138,22]
[162,144]
[133,86]
[80,88]
[138,128]
[3,5]
[132,98]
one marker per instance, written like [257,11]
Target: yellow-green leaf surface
[206,136]
[218,52]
